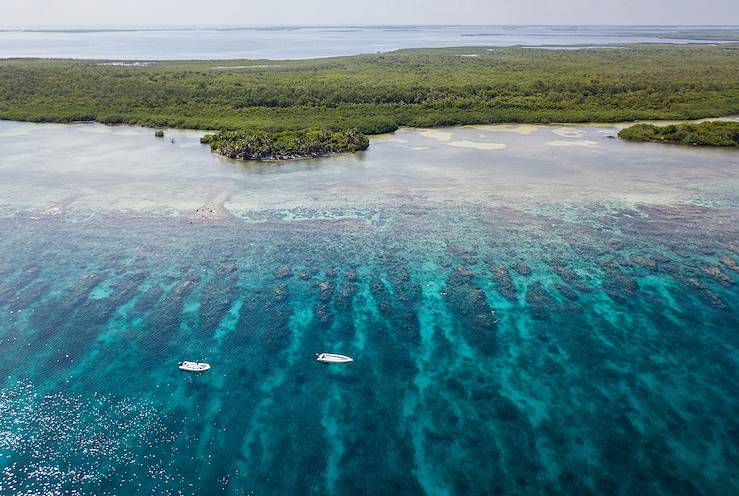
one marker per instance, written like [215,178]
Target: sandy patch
[437,134]
[52,210]
[213,209]
[524,129]
[389,137]
[620,125]
[420,148]
[572,143]
[569,132]
[477,145]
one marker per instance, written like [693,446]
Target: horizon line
[268,25]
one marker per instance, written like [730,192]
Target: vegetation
[378,93]
[714,133]
[159,133]
[717,34]
[285,145]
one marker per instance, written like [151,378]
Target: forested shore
[716,133]
[380,92]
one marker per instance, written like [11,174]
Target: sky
[337,12]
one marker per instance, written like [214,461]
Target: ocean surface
[531,310]
[280,42]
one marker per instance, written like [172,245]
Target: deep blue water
[610,366]
[276,42]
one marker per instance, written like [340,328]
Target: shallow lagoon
[611,363]
[296,42]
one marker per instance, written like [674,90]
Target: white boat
[193,366]
[332,358]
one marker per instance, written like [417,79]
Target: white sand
[437,134]
[389,137]
[524,129]
[569,132]
[477,145]
[571,143]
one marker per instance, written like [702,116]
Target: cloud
[250,12]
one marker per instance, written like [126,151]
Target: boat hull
[193,366]
[333,358]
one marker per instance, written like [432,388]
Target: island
[711,133]
[376,93]
[285,145]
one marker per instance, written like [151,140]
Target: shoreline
[617,124]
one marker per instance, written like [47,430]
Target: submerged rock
[719,275]
[469,303]
[503,282]
[465,272]
[644,261]
[323,314]
[522,268]
[345,295]
[183,288]
[541,304]
[166,315]
[714,299]
[326,289]
[283,272]
[308,273]
[616,284]
[148,299]
[226,269]
[468,257]
[216,297]
[28,296]
[25,278]
[566,292]
[280,292]
[729,263]
[381,296]
[570,277]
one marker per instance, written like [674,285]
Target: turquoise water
[610,365]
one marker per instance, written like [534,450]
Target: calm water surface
[610,364]
[188,42]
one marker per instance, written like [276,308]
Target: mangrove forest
[714,133]
[378,93]
[285,145]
